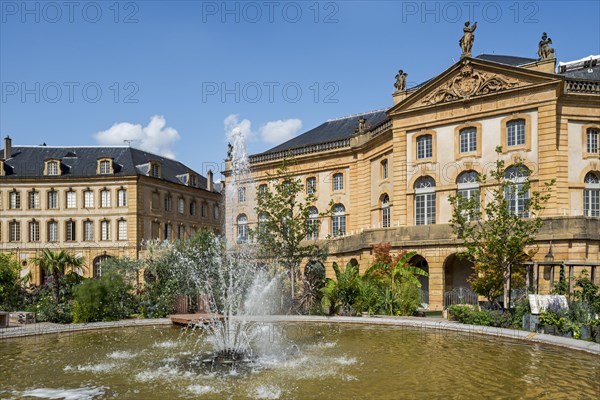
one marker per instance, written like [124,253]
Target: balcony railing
[313,148]
[582,86]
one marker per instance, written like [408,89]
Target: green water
[332,362]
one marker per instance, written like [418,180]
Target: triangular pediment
[470,79]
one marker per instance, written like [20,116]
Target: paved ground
[440,325]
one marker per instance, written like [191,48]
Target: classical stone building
[390,172]
[98,202]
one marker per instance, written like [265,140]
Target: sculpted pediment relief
[468,83]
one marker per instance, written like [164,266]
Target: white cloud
[155,137]
[232,122]
[276,132]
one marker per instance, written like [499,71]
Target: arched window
[515,132]
[425,201]
[242,228]
[515,193]
[591,195]
[338,220]
[468,188]
[384,169]
[385,211]
[97,265]
[312,224]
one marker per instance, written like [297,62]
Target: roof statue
[400,83]
[362,125]
[544,50]
[466,41]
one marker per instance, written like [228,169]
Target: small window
[424,147]
[181,205]
[34,231]
[192,207]
[70,231]
[14,231]
[338,181]
[52,168]
[105,198]
[105,167]
[52,231]
[262,189]
[216,211]
[155,170]
[88,199]
[592,140]
[122,230]
[168,231]
[204,210]
[193,180]
[122,198]
[468,140]
[384,169]
[71,200]
[14,199]
[515,132]
[104,230]
[241,195]
[33,200]
[52,200]
[88,231]
[311,185]
[181,232]
[168,202]
[242,228]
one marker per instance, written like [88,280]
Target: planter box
[3,319]
[586,332]
[550,330]
[530,323]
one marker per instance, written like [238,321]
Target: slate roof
[507,60]
[81,162]
[587,74]
[337,129]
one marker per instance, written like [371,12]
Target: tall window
[154,170]
[14,231]
[71,199]
[262,189]
[33,200]
[105,167]
[70,231]
[216,211]
[181,205]
[193,207]
[425,201]
[592,140]
[467,189]
[591,195]
[168,202]
[88,199]
[52,200]
[424,147]
[88,230]
[338,220]
[515,194]
[384,169]
[14,199]
[52,231]
[168,231]
[204,210]
[122,198]
[262,223]
[515,132]
[180,232]
[385,211]
[52,168]
[241,194]
[338,181]
[104,230]
[34,231]
[242,228]
[311,185]
[468,140]
[313,224]
[122,230]
[105,198]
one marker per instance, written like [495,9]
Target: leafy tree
[496,239]
[285,222]
[56,264]
[10,281]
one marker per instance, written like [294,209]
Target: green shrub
[10,283]
[107,298]
[466,314]
[47,310]
[408,299]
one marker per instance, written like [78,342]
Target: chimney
[7,147]
[209,180]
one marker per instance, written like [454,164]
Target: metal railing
[460,295]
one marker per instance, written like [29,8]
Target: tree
[395,268]
[55,264]
[497,238]
[10,281]
[287,221]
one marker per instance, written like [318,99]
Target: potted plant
[550,322]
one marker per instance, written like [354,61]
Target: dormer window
[52,167]
[193,181]
[154,169]
[105,166]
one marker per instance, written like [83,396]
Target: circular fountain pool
[306,361]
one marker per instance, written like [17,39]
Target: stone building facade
[98,202]
[390,172]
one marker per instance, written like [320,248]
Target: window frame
[425,202]
[585,144]
[337,180]
[591,195]
[526,146]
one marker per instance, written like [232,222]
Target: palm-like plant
[402,271]
[55,264]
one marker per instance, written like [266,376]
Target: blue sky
[175,75]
